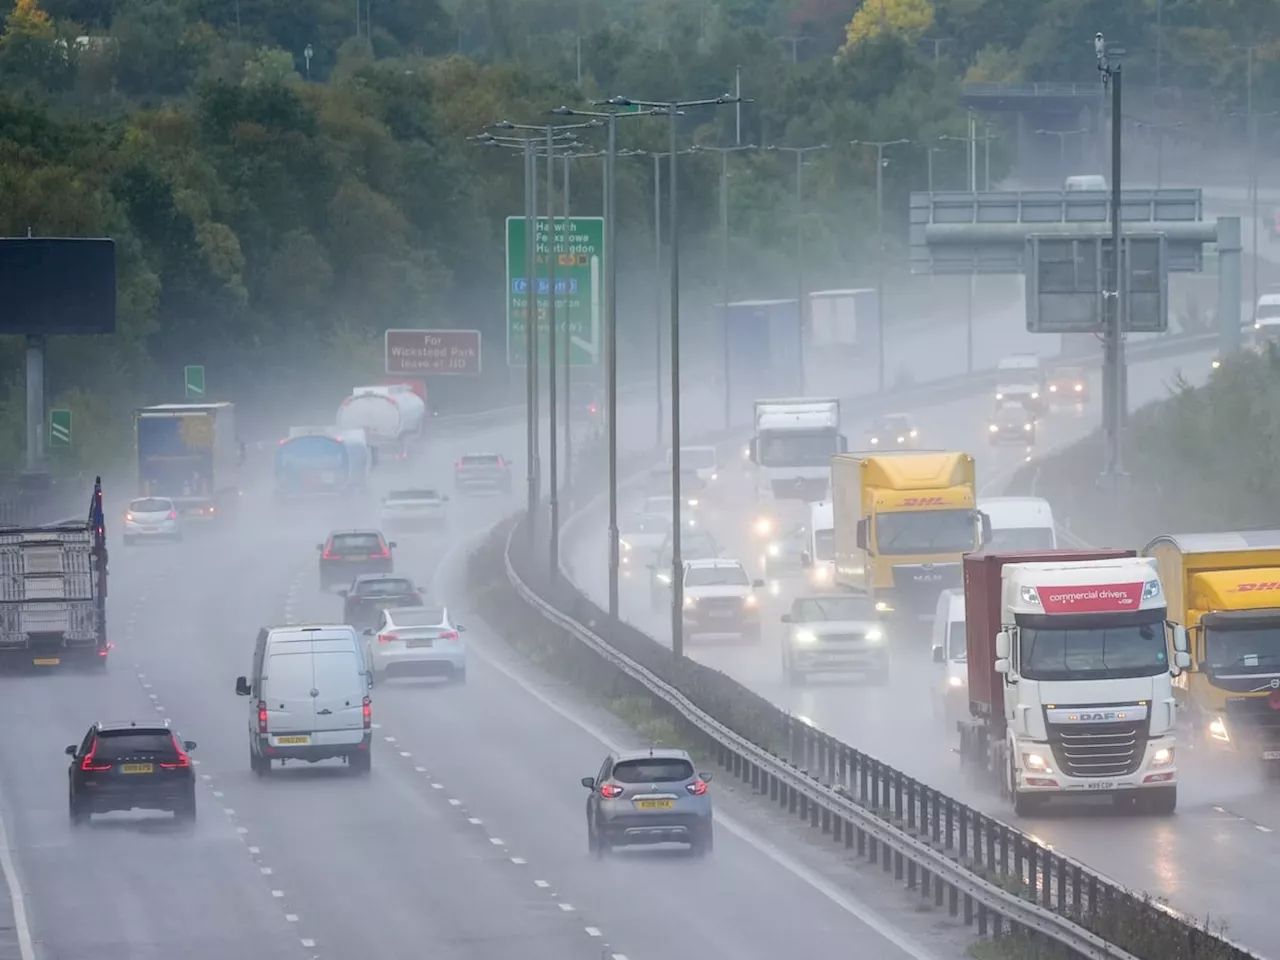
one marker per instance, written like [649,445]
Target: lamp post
[1113,343]
[672,109]
[724,263]
[880,146]
[801,297]
[1062,143]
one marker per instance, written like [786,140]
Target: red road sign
[418,353]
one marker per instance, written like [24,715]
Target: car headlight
[874,635]
[1026,426]
[715,476]
[999,396]
[1079,388]
[804,636]
[955,681]
[1035,394]
[822,573]
[1053,388]
[774,550]
[883,606]
[1216,363]
[749,601]
[763,526]
[689,601]
[626,546]
[874,441]
[913,434]
[664,577]
[1218,730]
[1036,763]
[1162,757]
[993,428]
[692,501]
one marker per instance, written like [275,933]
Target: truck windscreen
[1093,652]
[1252,649]
[924,532]
[800,448]
[1007,539]
[824,545]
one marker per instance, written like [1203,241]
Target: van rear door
[340,686]
[286,690]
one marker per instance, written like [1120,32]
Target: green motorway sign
[59,428]
[579,271]
[193,380]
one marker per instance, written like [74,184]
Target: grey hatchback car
[646,797]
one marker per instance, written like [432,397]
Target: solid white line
[21,927]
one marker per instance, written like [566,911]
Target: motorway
[1206,861]
[467,842]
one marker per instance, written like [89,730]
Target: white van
[309,695]
[820,556]
[951,689]
[1085,181]
[704,461]
[1019,523]
[1266,319]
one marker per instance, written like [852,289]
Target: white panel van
[309,697]
[1019,523]
[951,688]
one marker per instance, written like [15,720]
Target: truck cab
[794,441]
[1224,588]
[1071,677]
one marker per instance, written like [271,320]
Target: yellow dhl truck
[1225,589]
[903,520]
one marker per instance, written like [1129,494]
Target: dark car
[1012,424]
[371,593]
[482,471]
[127,766]
[349,553]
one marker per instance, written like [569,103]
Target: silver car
[834,633]
[646,797]
[405,509]
[151,518]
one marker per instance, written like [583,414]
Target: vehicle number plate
[722,613]
[137,768]
[1271,754]
[328,477]
[655,804]
[419,643]
[292,741]
[1101,785]
[47,661]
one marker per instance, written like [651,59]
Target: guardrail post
[815,808]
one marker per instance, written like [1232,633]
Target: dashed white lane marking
[519,861]
[291,918]
[592,931]
[217,793]
[228,811]
[376,726]
[405,753]
[278,894]
[619,956]
[497,841]
[1258,826]
[419,769]
[255,850]
[389,739]
[242,830]
[454,803]
[437,786]
[265,871]
[541,884]
[308,943]
[475,821]
[566,907]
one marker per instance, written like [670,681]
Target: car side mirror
[460,628]
[1182,660]
[320,547]
[368,632]
[806,559]
[343,594]
[861,535]
[706,777]
[938,656]
[188,744]
[589,782]
[391,544]
[986,527]
[785,618]
[757,584]
[1003,644]
[242,687]
[71,750]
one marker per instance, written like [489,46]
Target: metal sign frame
[1066,293]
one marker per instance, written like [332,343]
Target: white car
[704,461]
[720,599]
[660,505]
[151,518]
[409,508]
[417,642]
[834,633]
[640,540]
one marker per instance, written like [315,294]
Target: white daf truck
[795,439]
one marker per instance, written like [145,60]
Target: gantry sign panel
[965,233]
[1066,280]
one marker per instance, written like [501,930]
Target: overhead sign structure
[1067,278]
[193,382]
[57,285]
[579,266]
[417,353]
[59,428]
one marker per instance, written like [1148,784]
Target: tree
[908,18]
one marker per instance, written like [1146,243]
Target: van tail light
[88,764]
[173,514]
[387,637]
[368,713]
[697,788]
[610,791]
[450,635]
[262,716]
[183,760]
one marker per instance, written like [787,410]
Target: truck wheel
[1161,801]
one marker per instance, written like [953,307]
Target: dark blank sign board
[57,285]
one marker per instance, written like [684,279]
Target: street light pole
[1113,343]
[1062,143]
[552,248]
[724,264]
[879,146]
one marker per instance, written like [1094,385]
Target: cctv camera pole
[880,146]
[1113,343]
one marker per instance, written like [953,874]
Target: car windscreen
[413,495]
[816,609]
[384,588]
[653,770]
[418,617]
[716,577]
[356,543]
[118,744]
[895,425]
[955,641]
[482,460]
[151,505]
[695,544]
[697,458]
[1020,538]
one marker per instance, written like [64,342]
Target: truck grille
[1253,717]
[1093,750]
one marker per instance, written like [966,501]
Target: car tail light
[329,554]
[262,716]
[387,637]
[380,556]
[183,760]
[88,764]
[697,788]
[450,635]
[610,791]
[592,408]
[128,515]
[458,465]
[173,514]
[368,713]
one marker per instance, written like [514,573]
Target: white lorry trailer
[392,417]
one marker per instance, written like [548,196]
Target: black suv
[127,766]
[349,553]
[482,471]
[372,593]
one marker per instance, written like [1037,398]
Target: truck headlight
[1035,394]
[1035,763]
[749,600]
[913,434]
[626,547]
[774,550]
[715,476]
[874,441]
[883,606]
[955,681]
[692,501]
[874,635]
[1218,730]
[763,526]
[1053,388]
[1162,757]
[993,428]
[822,573]
[902,439]
[999,396]
[1026,426]
[689,602]
[1079,388]
[804,637]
